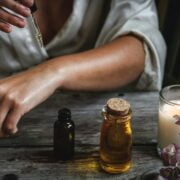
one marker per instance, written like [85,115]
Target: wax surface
[169,131]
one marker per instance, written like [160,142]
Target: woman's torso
[75,31]
[51,17]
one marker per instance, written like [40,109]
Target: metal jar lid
[117,107]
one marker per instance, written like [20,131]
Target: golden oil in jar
[116,136]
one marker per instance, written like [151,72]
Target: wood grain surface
[29,154]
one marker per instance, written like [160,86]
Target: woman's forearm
[108,67]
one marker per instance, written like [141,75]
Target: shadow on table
[147,150]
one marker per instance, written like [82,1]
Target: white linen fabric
[89,26]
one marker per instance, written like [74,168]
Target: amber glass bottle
[64,134]
[116,136]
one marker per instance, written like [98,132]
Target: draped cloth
[91,25]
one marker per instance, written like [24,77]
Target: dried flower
[169,174]
[177,117]
[171,155]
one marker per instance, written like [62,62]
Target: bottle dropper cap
[64,114]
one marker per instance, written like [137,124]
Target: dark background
[169,17]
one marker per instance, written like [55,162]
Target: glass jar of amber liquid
[116,136]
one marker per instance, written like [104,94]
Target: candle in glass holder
[169,117]
[169,125]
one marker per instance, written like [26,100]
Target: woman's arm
[110,66]
[105,68]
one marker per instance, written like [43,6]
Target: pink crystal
[171,155]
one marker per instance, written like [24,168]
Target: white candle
[169,131]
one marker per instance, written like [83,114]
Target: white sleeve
[139,18]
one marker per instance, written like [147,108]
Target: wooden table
[29,155]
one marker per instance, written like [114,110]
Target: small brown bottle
[64,134]
[116,136]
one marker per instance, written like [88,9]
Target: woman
[87,48]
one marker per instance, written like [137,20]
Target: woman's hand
[21,7]
[22,92]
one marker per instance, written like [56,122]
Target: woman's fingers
[10,114]
[16,7]
[11,19]
[5,108]
[5,27]
[11,121]
[27,3]
[8,18]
